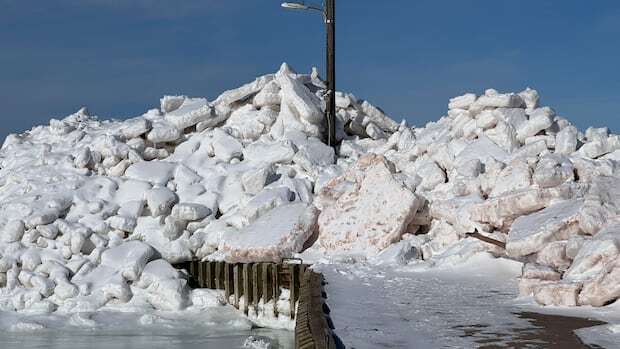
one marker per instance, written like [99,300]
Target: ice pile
[94,212]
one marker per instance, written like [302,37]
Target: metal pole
[330,113]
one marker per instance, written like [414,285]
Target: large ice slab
[530,233]
[359,212]
[276,235]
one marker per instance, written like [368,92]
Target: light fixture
[294,5]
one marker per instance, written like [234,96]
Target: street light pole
[329,15]
[330,22]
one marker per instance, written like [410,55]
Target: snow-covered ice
[93,212]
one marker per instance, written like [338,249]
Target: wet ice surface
[412,307]
[172,340]
[104,330]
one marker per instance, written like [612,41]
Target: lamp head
[294,5]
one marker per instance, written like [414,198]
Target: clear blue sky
[118,57]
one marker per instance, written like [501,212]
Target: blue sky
[118,57]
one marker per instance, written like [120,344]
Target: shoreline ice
[94,212]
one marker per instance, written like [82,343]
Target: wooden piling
[276,287]
[237,284]
[201,275]
[247,287]
[219,277]
[256,284]
[266,273]
[264,281]
[228,284]
[294,283]
[209,275]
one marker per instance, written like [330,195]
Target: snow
[93,212]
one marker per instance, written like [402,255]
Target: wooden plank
[257,283]
[219,277]
[209,275]
[266,275]
[293,272]
[237,284]
[247,287]
[192,269]
[487,239]
[275,284]
[201,274]
[228,286]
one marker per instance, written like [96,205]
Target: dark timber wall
[253,281]
[256,281]
[312,326]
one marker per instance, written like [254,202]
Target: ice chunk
[566,140]
[268,96]
[540,119]
[156,172]
[601,205]
[553,170]
[298,97]
[531,233]
[261,204]
[129,258]
[165,288]
[102,283]
[162,132]
[255,180]
[270,153]
[278,234]
[160,200]
[126,224]
[12,231]
[358,210]
[554,255]
[496,100]
[604,288]
[377,117]
[247,123]
[313,154]
[189,113]
[399,253]
[82,158]
[190,212]
[530,97]
[245,91]
[482,149]
[171,103]
[158,232]
[595,255]
[516,176]
[343,100]
[431,174]
[135,127]
[540,272]
[502,210]
[226,147]
[514,117]
[561,294]
[132,209]
[462,102]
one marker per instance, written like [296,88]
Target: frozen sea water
[118,330]
[140,340]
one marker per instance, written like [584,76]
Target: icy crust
[93,213]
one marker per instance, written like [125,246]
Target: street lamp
[329,15]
